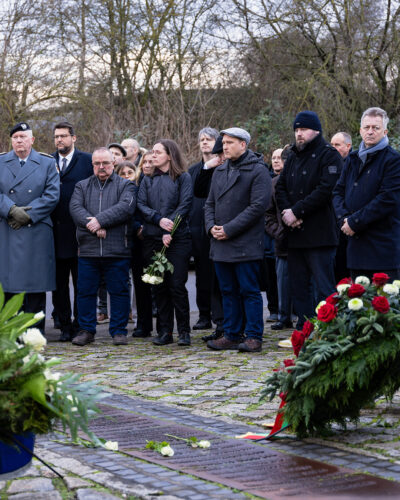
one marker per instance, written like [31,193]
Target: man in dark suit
[73,166]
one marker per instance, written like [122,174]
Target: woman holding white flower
[164,195]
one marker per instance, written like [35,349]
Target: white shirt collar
[68,157]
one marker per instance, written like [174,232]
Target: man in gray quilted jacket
[102,207]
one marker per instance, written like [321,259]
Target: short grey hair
[211,132]
[346,137]
[377,112]
[102,149]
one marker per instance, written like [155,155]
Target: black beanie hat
[307,119]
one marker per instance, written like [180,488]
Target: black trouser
[203,269]
[217,311]
[142,290]
[171,295]
[271,285]
[61,297]
[33,303]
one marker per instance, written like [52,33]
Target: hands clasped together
[18,217]
[94,227]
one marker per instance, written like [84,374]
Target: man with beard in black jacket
[304,196]
[234,217]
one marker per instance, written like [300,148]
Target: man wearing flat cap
[304,196]
[234,217]
[29,191]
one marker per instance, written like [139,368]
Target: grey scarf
[363,151]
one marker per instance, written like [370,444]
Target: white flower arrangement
[34,338]
[343,287]
[362,280]
[355,304]
[391,289]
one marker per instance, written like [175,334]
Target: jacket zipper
[100,200]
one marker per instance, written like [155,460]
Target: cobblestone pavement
[217,391]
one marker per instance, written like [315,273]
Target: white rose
[153,280]
[111,445]
[362,280]
[204,444]
[323,302]
[40,315]
[146,278]
[159,280]
[49,375]
[391,289]
[342,288]
[167,451]
[33,337]
[355,304]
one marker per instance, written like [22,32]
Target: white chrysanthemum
[322,303]
[33,337]
[397,283]
[355,304]
[111,445]
[342,288]
[167,451]
[146,278]
[204,444]
[362,280]
[391,289]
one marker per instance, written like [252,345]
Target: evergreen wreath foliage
[348,356]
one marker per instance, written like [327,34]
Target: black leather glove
[17,217]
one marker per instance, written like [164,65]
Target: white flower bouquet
[154,273]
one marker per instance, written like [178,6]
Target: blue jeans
[285,300]
[239,284]
[312,279]
[116,274]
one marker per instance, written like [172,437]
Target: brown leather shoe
[222,344]
[102,318]
[250,345]
[83,338]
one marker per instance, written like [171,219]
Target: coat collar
[20,173]
[71,164]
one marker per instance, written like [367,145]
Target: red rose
[298,339]
[355,291]
[288,362]
[326,313]
[380,304]
[345,281]
[380,279]
[332,299]
[308,327]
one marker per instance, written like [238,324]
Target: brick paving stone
[92,494]
[37,484]
[74,483]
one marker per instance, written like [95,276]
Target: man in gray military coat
[29,191]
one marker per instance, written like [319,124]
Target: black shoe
[213,336]
[272,318]
[281,326]
[65,336]
[83,338]
[120,340]
[184,339]
[202,324]
[56,324]
[139,333]
[163,339]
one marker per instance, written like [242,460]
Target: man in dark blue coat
[367,200]
[73,166]
[304,196]
[234,218]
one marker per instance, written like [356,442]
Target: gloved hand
[17,217]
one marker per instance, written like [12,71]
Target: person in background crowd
[73,166]
[200,240]
[201,189]
[234,217]
[163,196]
[118,152]
[304,197]
[104,233]
[144,298]
[133,150]
[367,200]
[29,192]
[342,142]
[126,170]
[275,228]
